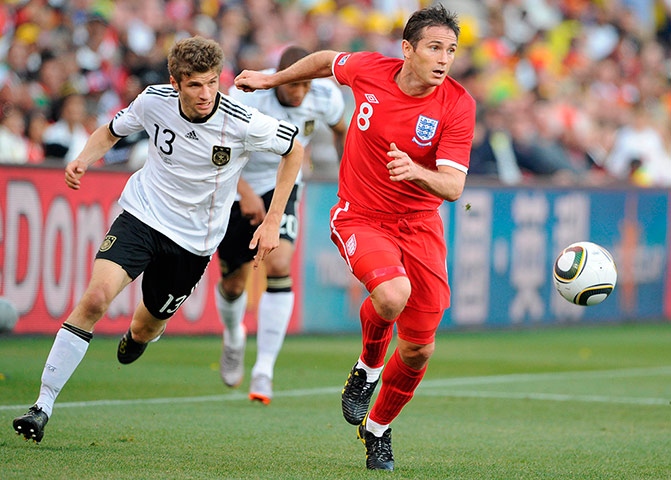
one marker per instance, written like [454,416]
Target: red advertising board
[49,235]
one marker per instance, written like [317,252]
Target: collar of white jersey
[205,118]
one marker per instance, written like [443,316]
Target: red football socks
[377,333]
[399,382]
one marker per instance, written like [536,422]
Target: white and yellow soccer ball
[9,316]
[584,273]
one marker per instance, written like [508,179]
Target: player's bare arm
[251,204]
[99,143]
[446,182]
[315,65]
[267,236]
[339,132]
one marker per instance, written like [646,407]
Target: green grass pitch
[573,403]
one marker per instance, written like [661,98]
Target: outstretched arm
[315,65]
[98,144]
[339,131]
[267,236]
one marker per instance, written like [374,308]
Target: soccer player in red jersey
[407,150]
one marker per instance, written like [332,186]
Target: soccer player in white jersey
[175,209]
[303,104]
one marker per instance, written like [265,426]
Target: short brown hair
[194,54]
[291,55]
[435,16]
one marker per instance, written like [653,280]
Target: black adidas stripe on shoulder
[286,131]
[282,133]
[227,102]
[162,89]
[287,127]
[166,91]
[161,94]
[234,113]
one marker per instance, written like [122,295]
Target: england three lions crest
[425,130]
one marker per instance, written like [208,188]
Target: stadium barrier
[49,235]
[502,243]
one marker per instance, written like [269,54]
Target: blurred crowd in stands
[575,91]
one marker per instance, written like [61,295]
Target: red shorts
[416,242]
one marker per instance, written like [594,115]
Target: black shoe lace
[381,447]
[356,382]
[367,387]
[359,385]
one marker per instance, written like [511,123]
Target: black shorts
[170,272]
[234,249]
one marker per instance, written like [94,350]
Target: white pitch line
[171,400]
[426,385]
[555,397]
[535,377]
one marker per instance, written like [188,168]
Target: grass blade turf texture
[587,403]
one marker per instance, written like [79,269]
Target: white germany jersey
[323,102]
[188,183]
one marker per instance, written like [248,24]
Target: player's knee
[416,356]
[94,303]
[278,267]
[389,298]
[278,262]
[232,287]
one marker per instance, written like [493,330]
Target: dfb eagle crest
[221,155]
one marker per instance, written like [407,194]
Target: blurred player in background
[407,150]
[303,104]
[176,207]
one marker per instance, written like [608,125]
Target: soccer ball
[8,316]
[584,273]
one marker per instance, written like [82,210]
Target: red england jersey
[433,130]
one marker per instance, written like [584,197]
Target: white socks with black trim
[66,353]
[231,315]
[273,318]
